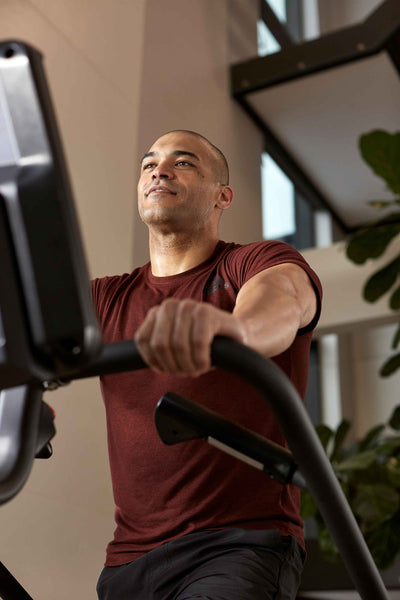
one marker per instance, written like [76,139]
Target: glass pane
[266,43]
[279,8]
[278,207]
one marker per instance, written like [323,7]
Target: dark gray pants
[231,564]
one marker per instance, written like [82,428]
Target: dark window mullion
[304,236]
[312,399]
[294,18]
[276,27]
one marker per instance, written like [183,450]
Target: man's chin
[163,214]
[165,220]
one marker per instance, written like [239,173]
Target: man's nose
[163,171]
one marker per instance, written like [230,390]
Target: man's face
[177,185]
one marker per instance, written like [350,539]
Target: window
[278,209]
[267,43]
[286,215]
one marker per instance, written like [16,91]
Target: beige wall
[53,535]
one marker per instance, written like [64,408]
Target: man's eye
[184,163]
[147,166]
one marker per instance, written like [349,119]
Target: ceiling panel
[319,119]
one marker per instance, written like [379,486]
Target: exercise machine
[49,334]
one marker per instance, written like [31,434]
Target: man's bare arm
[176,336]
[273,305]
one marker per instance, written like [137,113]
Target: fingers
[153,338]
[182,343]
[176,336]
[143,338]
[205,327]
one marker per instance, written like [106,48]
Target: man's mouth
[160,189]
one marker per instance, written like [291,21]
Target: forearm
[269,319]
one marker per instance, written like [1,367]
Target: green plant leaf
[349,450]
[390,366]
[392,218]
[374,504]
[381,281]
[381,150]
[384,542]
[393,468]
[359,461]
[396,338]
[388,448]
[325,435]
[327,545]
[308,506]
[340,436]
[375,473]
[371,242]
[369,441]
[394,420]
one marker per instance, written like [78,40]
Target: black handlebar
[114,358]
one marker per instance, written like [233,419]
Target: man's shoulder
[267,249]
[243,261]
[113,283]
[254,245]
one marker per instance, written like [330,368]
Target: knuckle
[186,307]
[179,346]
[140,337]
[198,341]
[158,345]
[201,312]
[153,310]
[169,303]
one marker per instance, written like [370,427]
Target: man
[192,522]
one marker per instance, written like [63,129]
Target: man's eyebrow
[185,153]
[174,153]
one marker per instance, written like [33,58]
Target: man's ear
[225,197]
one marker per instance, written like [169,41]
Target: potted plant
[369,473]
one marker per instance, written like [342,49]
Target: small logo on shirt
[216,284]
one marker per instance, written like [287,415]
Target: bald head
[219,164]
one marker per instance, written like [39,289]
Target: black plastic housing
[47,322]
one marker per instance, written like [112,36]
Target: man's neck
[173,254]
